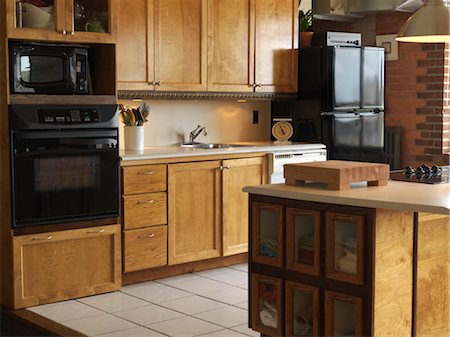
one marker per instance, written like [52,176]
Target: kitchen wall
[170,121]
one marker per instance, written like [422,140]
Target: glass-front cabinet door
[303,241]
[267,234]
[266,303]
[345,247]
[90,20]
[302,310]
[61,20]
[343,315]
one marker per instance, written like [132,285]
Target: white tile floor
[210,303]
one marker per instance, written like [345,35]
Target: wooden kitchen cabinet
[87,261]
[338,265]
[276,45]
[144,216]
[231,47]
[208,45]
[145,248]
[85,21]
[208,212]
[194,211]
[162,45]
[252,45]
[237,174]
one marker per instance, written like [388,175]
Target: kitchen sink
[209,145]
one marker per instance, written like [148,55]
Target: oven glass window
[68,179]
[35,69]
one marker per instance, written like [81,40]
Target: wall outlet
[255,116]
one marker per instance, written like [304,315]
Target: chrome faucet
[196,132]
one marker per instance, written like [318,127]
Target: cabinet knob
[146,236]
[96,232]
[226,167]
[254,85]
[145,202]
[146,173]
[64,32]
[259,85]
[43,238]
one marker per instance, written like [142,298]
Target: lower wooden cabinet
[145,248]
[343,270]
[61,265]
[267,305]
[343,314]
[302,309]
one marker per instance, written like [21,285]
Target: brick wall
[417,89]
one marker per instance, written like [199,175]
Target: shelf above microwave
[61,99]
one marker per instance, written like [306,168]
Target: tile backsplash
[170,121]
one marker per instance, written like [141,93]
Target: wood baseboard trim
[167,271]
[38,322]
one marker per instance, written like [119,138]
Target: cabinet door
[302,310]
[276,45]
[57,266]
[231,45]
[194,211]
[180,44]
[345,247]
[267,234]
[135,45]
[343,315]
[237,174]
[28,22]
[63,20]
[92,21]
[266,305]
[303,241]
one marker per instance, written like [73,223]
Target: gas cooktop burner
[423,174]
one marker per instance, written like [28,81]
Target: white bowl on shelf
[37,17]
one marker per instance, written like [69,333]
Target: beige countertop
[396,195]
[173,151]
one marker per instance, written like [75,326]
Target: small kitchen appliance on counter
[423,174]
[64,163]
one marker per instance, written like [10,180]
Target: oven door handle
[65,134]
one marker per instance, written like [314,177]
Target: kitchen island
[367,261]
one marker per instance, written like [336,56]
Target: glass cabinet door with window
[62,20]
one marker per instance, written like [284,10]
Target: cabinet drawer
[145,210]
[144,179]
[57,266]
[145,248]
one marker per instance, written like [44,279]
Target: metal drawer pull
[226,167]
[64,32]
[96,232]
[145,202]
[46,238]
[146,236]
[146,173]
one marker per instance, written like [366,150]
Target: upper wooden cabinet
[208,45]
[231,52]
[162,45]
[252,45]
[87,21]
[276,45]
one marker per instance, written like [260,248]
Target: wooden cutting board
[338,174]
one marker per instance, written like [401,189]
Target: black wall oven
[65,163]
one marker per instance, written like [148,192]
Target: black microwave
[48,69]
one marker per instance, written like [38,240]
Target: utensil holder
[134,138]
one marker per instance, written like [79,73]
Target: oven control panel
[68,116]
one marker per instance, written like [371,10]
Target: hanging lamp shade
[430,24]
